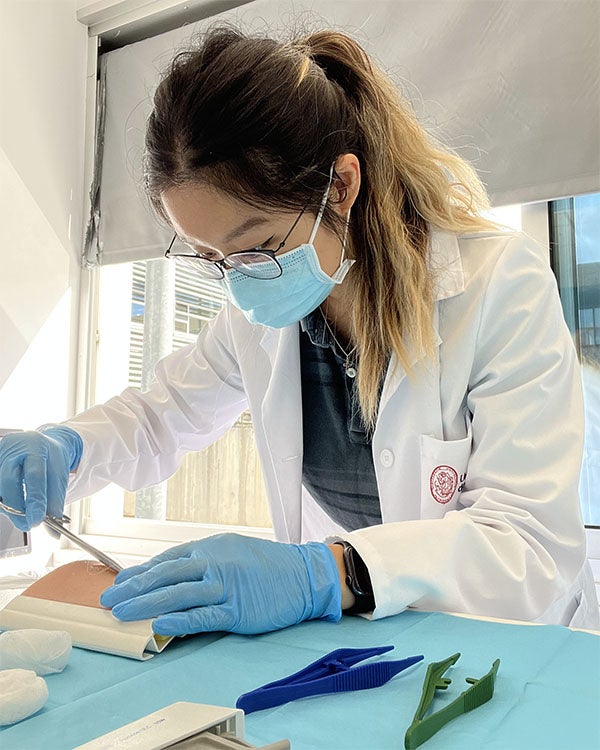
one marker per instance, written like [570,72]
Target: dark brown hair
[251,117]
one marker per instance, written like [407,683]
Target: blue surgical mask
[300,289]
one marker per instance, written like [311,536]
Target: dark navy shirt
[338,466]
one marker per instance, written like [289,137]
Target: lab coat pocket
[443,472]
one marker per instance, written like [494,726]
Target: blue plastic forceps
[332,673]
[57,525]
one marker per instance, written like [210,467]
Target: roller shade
[512,86]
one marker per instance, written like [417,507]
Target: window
[221,486]
[575,252]
[569,228]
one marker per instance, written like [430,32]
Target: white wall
[43,54]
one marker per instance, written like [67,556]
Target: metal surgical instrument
[57,525]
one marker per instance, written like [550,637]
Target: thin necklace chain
[349,366]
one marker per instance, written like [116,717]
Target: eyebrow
[253,221]
[235,233]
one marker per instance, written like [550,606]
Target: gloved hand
[41,461]
[229,582]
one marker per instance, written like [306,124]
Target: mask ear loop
[345,237]
[345,265]
[322,207]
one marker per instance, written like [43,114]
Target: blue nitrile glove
[41,460]
[229,582]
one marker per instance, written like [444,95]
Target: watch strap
[358,581]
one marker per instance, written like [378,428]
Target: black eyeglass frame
[223,263]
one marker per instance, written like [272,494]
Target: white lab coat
[477,453]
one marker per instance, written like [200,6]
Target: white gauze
[22,693]
[43,651]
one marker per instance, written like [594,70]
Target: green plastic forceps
[481,690]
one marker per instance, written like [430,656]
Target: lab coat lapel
[445,263]
[411,405]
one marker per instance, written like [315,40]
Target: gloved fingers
[134,570]
[36,484]
[167,573]
[172,553]
[127,573]
[57,490]
[198,620]
[11,490]
[169,599]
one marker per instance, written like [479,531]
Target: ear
[346,183]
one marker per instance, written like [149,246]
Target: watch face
[354,584]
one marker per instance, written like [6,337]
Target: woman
[413,387]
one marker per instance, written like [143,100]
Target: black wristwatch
[358,580]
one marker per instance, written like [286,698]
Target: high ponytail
[408,183]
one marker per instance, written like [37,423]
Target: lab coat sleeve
[138,439]
[517,543]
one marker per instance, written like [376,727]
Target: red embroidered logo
[443,483]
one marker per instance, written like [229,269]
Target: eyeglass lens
[257,264]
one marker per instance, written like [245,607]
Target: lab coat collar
[445,264]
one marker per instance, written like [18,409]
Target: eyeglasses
[257,263]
